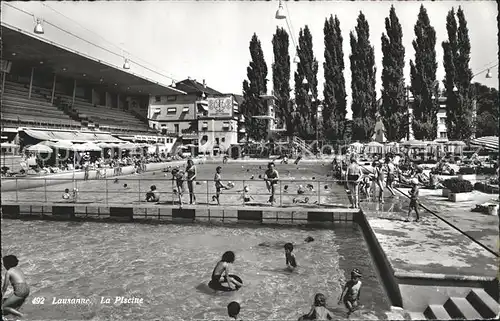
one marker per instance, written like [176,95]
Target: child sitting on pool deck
[66,195]
[221,274]
[352,291]
[291,263]
[233,310]
[245,194]
[318,309]
[15,277]
[153,195]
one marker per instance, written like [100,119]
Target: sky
[210,39]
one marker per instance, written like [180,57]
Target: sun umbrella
[356,145]
[128,146]
[105,145]
[456,143]
[90,147]
[39,148]
[414,143]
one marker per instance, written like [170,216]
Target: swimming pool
[168,266]
[325,190]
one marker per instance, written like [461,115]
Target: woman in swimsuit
[221,274]
[353,178]
[379,180]
[191,176]
[15,277]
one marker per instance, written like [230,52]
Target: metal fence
[133,190]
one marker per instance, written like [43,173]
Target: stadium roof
[20,47]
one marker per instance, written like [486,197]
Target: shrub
[466,171]
[457,185]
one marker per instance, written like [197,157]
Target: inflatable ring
[219,287]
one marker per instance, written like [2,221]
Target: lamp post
[407,100]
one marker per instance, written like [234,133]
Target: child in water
[291,263]
[245,194]
[15,277]
[233,310]
[221,274]
[352,291]
[318,309]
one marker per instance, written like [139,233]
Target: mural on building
[220,107]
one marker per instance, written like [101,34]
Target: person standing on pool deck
[353,178]
[391,175]
[178,176]
[218,184]
[221,274]
[271,177]
[352,291]
[413,200]
[379,180]
[191,176]
[15,277]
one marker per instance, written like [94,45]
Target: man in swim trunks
[271,177]
[221,275]
[353,178]
[352,291]
[15,277]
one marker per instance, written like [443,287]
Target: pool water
[318,175]
[169,266]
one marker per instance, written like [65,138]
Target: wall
[215,129]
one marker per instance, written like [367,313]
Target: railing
[302,144]
[328,193]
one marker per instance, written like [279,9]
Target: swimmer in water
[291,262]
[15,277]
[318,309]
[352,291]
[220,273]
[233,310]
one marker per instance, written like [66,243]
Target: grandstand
[46,85]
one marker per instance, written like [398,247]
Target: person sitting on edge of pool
[178,177]
[233,310]
[15,277]
[245,194]
[318,309]
[152,195]
[66,195]
[352,291]
[221,274]
[291,262]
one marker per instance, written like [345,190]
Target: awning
[488,142]
[73,136]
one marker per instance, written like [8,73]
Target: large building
[203,117]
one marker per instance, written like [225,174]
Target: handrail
[444,220]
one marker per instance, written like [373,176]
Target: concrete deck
[431,249]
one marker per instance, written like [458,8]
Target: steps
[476,305]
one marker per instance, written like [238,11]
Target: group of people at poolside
[222,280]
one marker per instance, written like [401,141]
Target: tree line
[300,114]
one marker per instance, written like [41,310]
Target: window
[204,125]
[217,141]
[157,99]
[171,111]
[171,98]
[154,126]
[225,124]
[443,135]
[442,120]
[223,139]
[176,128]
[185,109]
[163,125]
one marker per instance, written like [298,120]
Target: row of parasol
[49,146]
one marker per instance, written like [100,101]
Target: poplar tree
[307,68]
[459,108]
[255,86]
[335,103]
[363,70]
[393,111]
[281,78]
[423,79]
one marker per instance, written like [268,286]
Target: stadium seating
[19,109]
